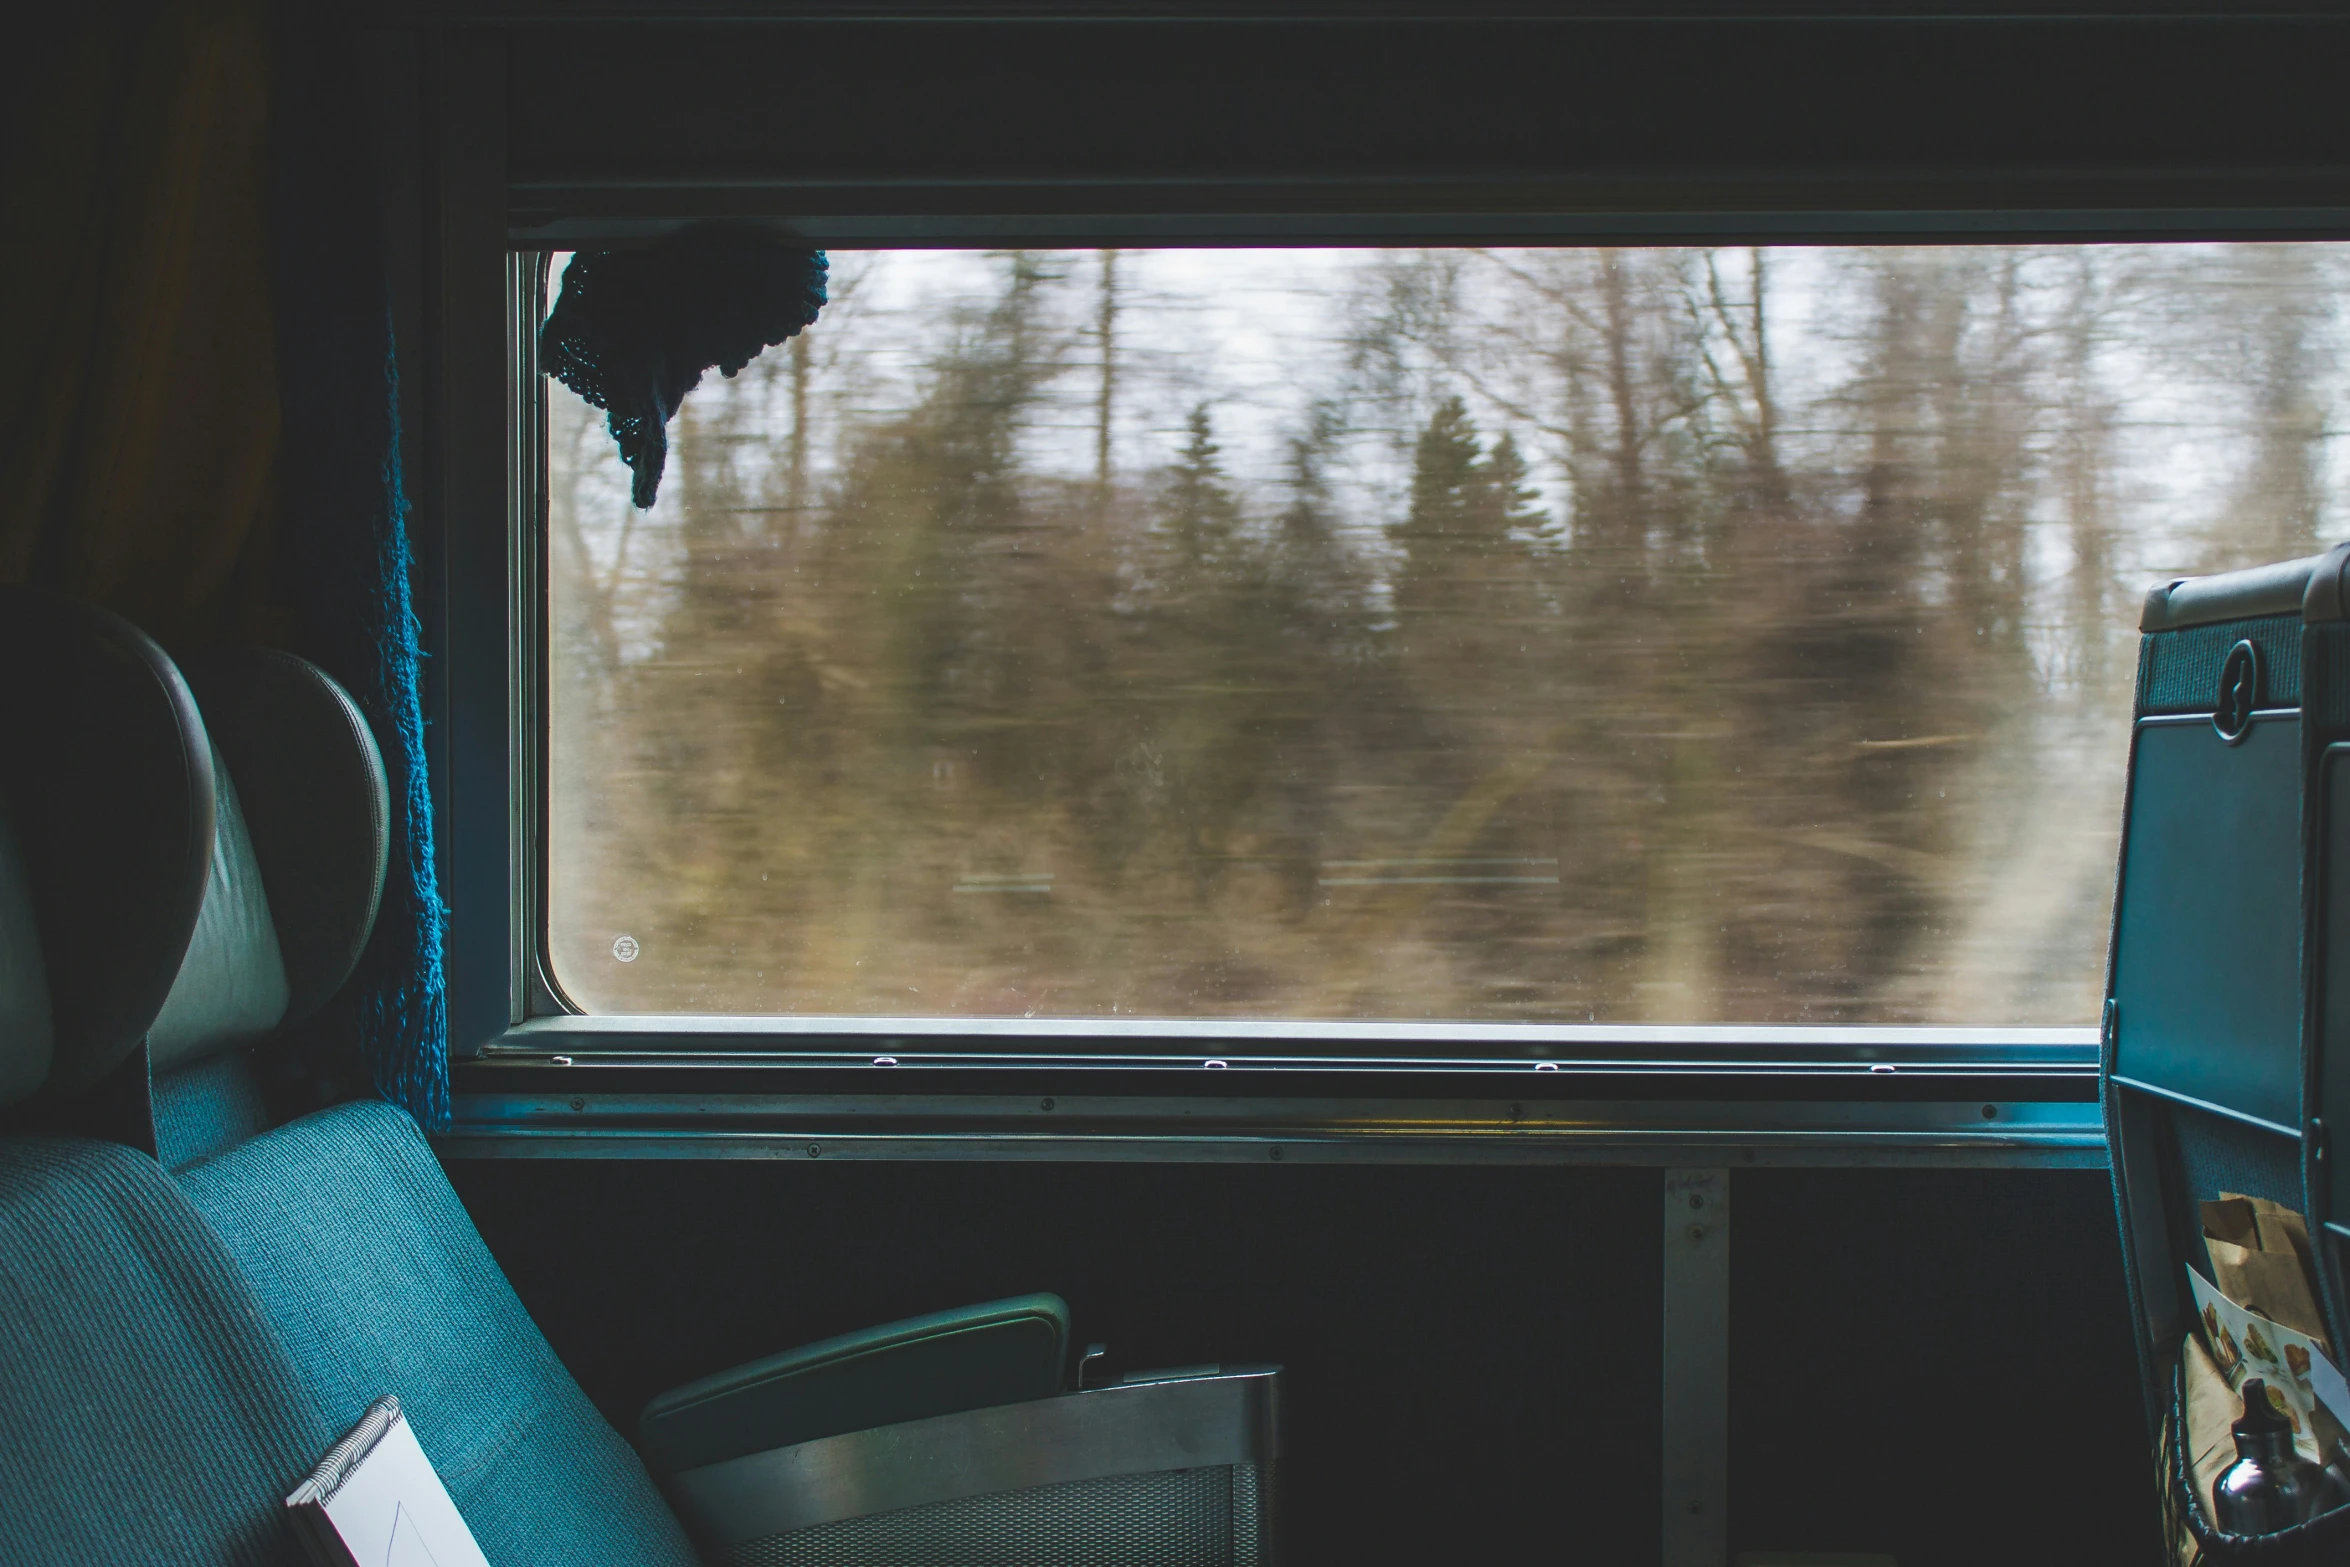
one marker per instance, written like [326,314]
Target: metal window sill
[861,1089]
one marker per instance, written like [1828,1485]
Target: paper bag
[2260,1260]
[2212,1408]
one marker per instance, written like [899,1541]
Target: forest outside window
[1492,636]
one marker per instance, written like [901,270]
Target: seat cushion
[378,1283]
[147,1411]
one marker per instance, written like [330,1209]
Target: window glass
[1537,635]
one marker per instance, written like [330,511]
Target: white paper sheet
[391,1509]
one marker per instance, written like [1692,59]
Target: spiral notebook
[375,1501]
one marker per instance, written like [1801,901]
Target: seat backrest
[342,1221]
[2206,1048]
[2210,1045]
[148,1411]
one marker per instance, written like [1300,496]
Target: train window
[1487,636]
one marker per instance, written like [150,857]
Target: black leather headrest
[316,805]
[109,778]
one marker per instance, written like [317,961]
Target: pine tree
[1448,481]
[1465,536]
[1203,518]
[1517,505]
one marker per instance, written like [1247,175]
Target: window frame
[533,1076]
[2023,1087]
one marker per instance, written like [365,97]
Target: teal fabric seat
[165,1379]
[148,1414]
[378,1283]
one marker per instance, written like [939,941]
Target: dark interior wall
[1903,1347]
[1461,1345]
[1473,1353]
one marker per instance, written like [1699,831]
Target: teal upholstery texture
[147,1413]
[205,1107]
[2178,671]
[378,1283]
[973,1357]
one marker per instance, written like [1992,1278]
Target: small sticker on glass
[624,948]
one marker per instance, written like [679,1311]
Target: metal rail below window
[944,1089]
[1948,1133]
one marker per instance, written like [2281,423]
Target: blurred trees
[1604,645]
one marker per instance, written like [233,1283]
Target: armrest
[1143,1426]
[1003,1352]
